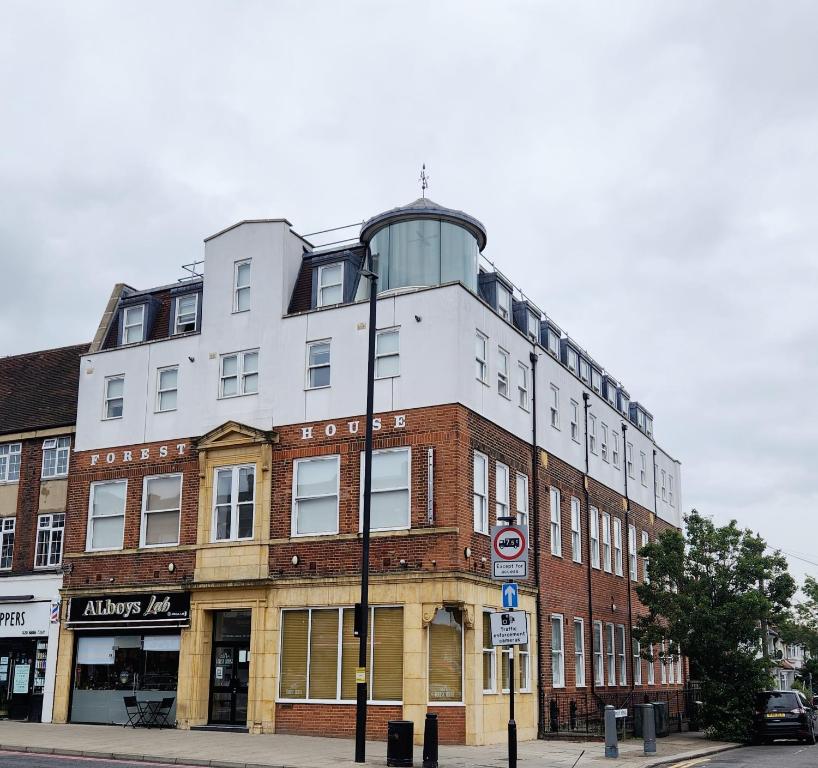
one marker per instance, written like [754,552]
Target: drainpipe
[535,526]
[586,405]
[628,549]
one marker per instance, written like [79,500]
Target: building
[38,405]
[216,492]
[787,660]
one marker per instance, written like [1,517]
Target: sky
[647,173]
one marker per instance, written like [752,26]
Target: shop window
[489,657]
[50,529]
[10,462]
[390,489]
[234,503]
[446,656]
[161,508]
[6,543]
[315,496]
[106,517]
[55,456]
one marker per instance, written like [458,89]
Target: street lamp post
[361,671]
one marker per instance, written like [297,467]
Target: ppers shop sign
[161,609]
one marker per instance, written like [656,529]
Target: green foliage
[709,593]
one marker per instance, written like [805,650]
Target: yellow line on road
[691,763]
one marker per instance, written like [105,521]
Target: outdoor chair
[132,711]
[163,712]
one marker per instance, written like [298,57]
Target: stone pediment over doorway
[233,434]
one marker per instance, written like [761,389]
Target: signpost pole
[512,724]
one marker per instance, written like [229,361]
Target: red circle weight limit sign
[509,543]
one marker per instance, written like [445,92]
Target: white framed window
[575,421]
[187,313]
[501,491]
[651,666]
[522,386]
[114,403]
[241,285]
[489,657]
[161,510]
[553,343]
[584,371]
[572,359]
[645,560]
[318,364]
[238,374]
[664,485]
[606,541]
[316,484]
[7,543]
[632,553]
[445,652]
[234,502]
[555,407]
[481,486]
[579,652]
[167,388]
[106,515]
[387,354]
[603,443]
[556,523]
[599,659]
[390,508]
[503,303]
[50,530]
[662,665]
[610,653]
[502,372]
[133,324]
[576,530]
[629,459]
[481,370]
[533,326]
[620,650]
[524,663]
[10,462]
[615,448]
[593,521]
[522,499]
[670,489]
[330,284]
[617,531]
[637,660]
[643,469]
[592,433]
[557,652]
[596,381]
[56,451]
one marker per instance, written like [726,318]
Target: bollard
[430,741]
[611,746]
[649,729]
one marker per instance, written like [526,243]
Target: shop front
[126,645]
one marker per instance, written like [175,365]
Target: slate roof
[38,390]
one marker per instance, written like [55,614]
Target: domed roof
[424,208]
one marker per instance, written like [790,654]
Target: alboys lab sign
[153,608]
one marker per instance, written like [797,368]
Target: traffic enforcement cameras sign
[509,628]
[509,551]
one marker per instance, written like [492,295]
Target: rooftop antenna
[424,181]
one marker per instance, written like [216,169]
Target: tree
[801,628]
[711,590]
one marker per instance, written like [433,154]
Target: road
[781,754]
[27,760]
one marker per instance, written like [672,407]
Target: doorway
[17,679]
[230,668]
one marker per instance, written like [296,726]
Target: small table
[148,712]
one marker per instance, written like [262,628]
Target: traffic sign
[509,551]
[510,595]
[509,628]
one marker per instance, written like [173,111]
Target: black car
[784,715]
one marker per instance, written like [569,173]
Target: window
[6,543]
[572,359]
[610,653]
[241,286]
[114,397]
[187,311]
[606,541]
[620,649]
[167,382]
[533,325]
[523,665]
[330,284]
[553,343]
[604,442]
[629,459]
[480,357]
[670,489]
[318,364]
[503,303]
[678,667]
[645,560]
[636,650]
[557,652]
[446,656]
[315,495]
[501,491]
[596,381]
[579,652]
[662,665]
[481,484]
[556,523]
[55,456]
[50,530]
[593,516]
[234,503]
[555,407]
[643,469]
[575,421]
[576,531]
[617,530]
[239,374]
[319,654]
[599,661]
[632,552]
[387,354]
[522,386]
[502,372]
[489,657]
[161,508]
[664,485]
[390,507]
[133,324]
[584,371]
[10,462]
[625,404]
[522,499]
[592,432]
[651,667]
[615,450]
[106,515]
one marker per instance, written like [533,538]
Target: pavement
[241,750]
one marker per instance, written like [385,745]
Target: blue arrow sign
[509,595]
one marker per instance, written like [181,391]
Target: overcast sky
[647,172]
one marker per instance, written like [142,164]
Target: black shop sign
[155,609]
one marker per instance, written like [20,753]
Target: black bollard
[430,741]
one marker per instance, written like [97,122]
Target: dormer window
[624,404]
[187,310]
[596,381]
[649,426]
[330,284]
[572,360]
[133,324]
[585,371]
[533,326]
[640,420]
[503,302]
[553,343]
